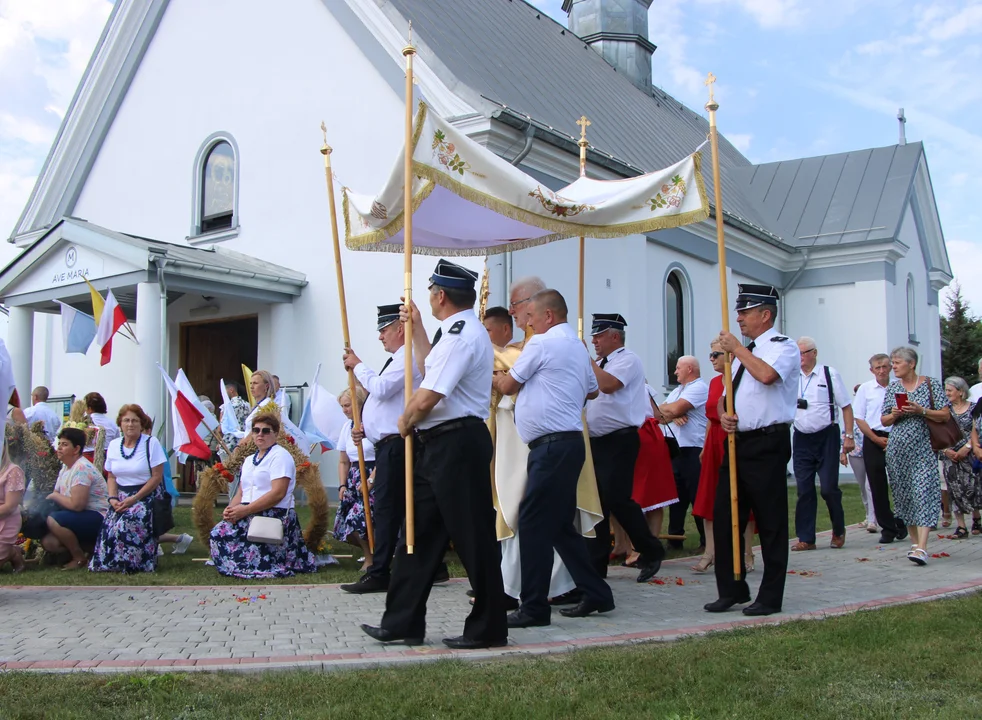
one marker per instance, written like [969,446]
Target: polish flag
[111,320]
[190,417]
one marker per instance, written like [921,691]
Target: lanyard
[805,389]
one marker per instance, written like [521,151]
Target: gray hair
[883,356]
[531,284]
[692,361]
[619,332]
[959,384]
[903,352]
[808,342]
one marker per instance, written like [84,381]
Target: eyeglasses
[805,352]
[518,302]
[714,355]
[256,430]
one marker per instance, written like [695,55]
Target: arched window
[216,186]
[911,311]
[674,323]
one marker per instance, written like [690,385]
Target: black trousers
[545,521]
[875,459]
[686,468]
[761,461]
[452,488]
[390,503]
[817,453]
[614,457]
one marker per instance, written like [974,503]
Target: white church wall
[272,103]
[926,317]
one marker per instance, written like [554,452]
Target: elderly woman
[82,495]
[12,487]
[349,523]
[266,489]
[964,490]
[135,464]
[95,406]
[912,465]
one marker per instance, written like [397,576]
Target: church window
[911,312]
[216,187]
[674,323]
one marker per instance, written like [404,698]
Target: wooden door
[213,350]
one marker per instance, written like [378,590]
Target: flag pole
[355,409]
[583,123]
[712,106]
[408,52]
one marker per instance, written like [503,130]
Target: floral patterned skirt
[349,524]
[964,485]
[126,542]
[234,555]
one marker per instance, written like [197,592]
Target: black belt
[387,439]
[554,437]
[881,433]
[769,430]
[622,431]
[425,436]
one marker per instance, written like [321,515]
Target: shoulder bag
[943,434]
[264,529]
[163,510]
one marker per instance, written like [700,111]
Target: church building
[187,178]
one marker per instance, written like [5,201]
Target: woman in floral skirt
[266,489]
[964,493]
[349,524]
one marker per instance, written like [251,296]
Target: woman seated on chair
[135,464]
[81,496]
[265,490]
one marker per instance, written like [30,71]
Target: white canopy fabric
[469,201]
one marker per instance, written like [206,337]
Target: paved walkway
[256,627]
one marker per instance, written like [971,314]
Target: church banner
[469,201]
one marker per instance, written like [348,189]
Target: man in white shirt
[975,392]
[613,420]
[380,417]
[815,445]
[765,374]
[41,412]
[281,397]
[684,412]
[868,409]
[555,376]
[452,471]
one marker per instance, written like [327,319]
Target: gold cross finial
[326,149]
[584,124]
[710,81]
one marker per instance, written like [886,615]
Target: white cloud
[741,141]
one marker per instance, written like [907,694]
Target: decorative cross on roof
[710,81]
[584,124]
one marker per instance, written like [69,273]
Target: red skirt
[712,459]
[654,482]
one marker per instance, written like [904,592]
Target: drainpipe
[507,267]
[160,263]
[790,284]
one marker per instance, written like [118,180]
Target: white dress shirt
[622,408]
[42,412]
[134,470]
[814,388]
[868,404]
[459,367]
[693,433]
[102,421]
[386,395]
[350,448]
[758,405]
[257,480]
[556,374]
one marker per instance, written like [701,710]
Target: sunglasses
[714,355]
[262,430]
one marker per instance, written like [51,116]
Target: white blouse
[257,480]
[102,421]
[347,445]
[134,470]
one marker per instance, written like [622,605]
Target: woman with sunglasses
[711,458]
[266,488]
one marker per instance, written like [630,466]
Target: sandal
[960,534]
[977,526]
[748,563]
[918,556]
[946,522]
[631,561]
[705,562]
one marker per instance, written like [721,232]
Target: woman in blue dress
[912,464]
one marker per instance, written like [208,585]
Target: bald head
[547,309]
[39,394]
[687,369]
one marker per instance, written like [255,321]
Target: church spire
[618,30]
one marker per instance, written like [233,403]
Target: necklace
[122,449]
[256,459]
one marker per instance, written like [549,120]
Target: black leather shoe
[585,607]
[724,604]
[901,532]
[367,584]
[760,609]
[571,598]
[649,569]
[442,575]
[520,619]
[466,643]
[383,635]
[886,539]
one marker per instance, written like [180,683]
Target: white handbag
[265,530]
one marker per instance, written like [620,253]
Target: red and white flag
[111,320]
[186,418]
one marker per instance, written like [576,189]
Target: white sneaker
[182,544]
[160,551]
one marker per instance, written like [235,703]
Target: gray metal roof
[517,56]
[832,199]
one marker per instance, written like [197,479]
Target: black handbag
[163,511]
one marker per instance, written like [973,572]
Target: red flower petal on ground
[679,581]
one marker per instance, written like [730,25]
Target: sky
[796,78]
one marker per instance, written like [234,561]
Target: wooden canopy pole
[712,106]
[355,409]
[583,123]
[408,52]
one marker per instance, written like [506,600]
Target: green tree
[961,335]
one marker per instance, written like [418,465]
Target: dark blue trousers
[545,521]
[390,503]
[817,453]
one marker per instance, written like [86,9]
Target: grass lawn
[903,662]
[182,570]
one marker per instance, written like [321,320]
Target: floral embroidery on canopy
[673,194]
[557,205]
[446,153]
